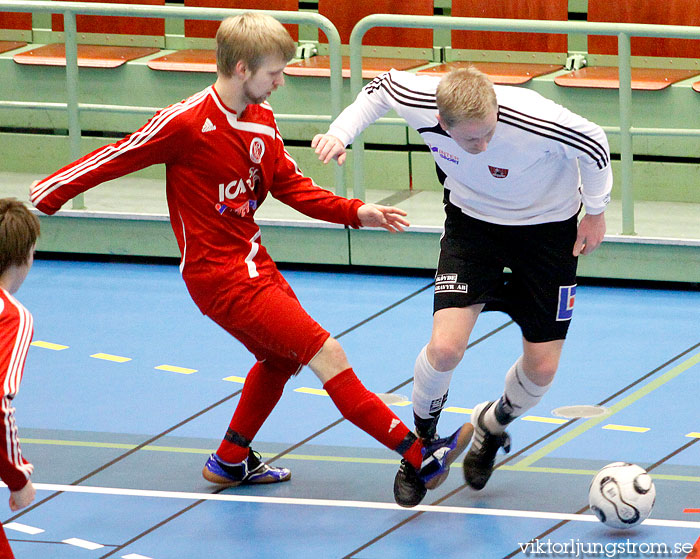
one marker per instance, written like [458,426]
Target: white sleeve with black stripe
[575,137]
[411,96]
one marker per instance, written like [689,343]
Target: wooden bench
[15,30]
[404,44]
[119,39]
[603,72]
[471,48]
[203,32]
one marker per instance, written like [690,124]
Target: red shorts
[264,314]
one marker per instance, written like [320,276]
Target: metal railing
[74,107]
[623,33]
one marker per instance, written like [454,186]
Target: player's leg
[436,362]
[262,326]
[469,273]
[541,301]
[429,461]
[235,462]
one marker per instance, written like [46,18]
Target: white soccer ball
[622,495]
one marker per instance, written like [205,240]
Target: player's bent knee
[444,356]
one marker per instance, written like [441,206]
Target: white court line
[23,528]
[346,504]
[77,542]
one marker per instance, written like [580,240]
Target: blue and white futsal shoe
[411,485]
[251,471]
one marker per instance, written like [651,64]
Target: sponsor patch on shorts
[565,308]
[447,283]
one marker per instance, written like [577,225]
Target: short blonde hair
[251,37]
[465,94]
[19,229]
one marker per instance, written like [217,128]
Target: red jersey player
[223,155]
[18,232]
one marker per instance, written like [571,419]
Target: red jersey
[220,166]
[16,331]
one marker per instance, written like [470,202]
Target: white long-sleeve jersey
[542,163]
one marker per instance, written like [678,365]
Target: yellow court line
[530,459]
[233,378]
[174,369]
[327,458]
[49,345]
[108,357]
[315,391]
[628,428]
[401,404]
[454,409]
[538,419]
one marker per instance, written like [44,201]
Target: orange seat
[11,45]
[696,86]
[502,73]
[511,73]
[204,60]
[345,14]
[670,12]
[119,29]
[15,30]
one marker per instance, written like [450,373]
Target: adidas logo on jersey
[208,126]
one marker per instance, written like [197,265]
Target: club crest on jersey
[565,308]
[498,173]
[257,150]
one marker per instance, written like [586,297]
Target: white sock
[430,387]
[520,395]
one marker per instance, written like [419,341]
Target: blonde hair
[465,94]
[19,229]
[251,37]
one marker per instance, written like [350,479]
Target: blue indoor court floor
[128,388]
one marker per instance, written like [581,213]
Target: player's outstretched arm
[591,231]
[328,147]
[390,218]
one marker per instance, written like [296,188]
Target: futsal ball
[622,495]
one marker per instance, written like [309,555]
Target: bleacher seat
[602,71]
[15,30]
[696,86]
[125,38]
[469,48]
[386,47]
[204,32]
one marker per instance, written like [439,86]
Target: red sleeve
[157,141]
[16,330]
[301,193]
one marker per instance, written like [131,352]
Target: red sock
[261,391]
[364,409]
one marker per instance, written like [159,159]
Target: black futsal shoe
[480,459]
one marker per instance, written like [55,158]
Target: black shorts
[539,292]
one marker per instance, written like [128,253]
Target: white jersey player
[516,168]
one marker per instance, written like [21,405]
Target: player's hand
[591,231]
[23,497]
[328,147]
[374,215]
